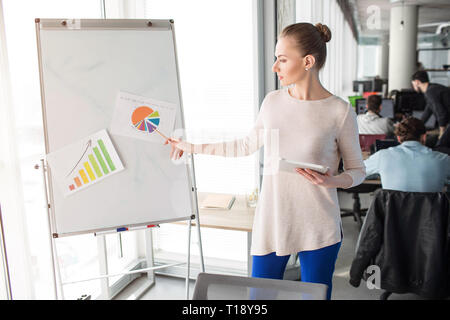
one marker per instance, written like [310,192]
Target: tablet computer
[290,165]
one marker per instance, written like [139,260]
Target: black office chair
[407,236]
[356,212]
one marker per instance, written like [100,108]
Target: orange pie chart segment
[140,113]
[145,119]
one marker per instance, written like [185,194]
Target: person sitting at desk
[410,166]
[372,122]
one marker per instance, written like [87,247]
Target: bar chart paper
[84,163]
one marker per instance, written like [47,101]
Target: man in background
[372,122]
[437,99]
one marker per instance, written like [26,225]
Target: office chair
[227,287]
[367,140]
[357,212]
[407,236]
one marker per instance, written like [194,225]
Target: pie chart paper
[138,117]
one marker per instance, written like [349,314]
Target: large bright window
[215,54]
[367,67]
[340,67]
[216,57]
[78,256]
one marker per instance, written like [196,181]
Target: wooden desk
[375,182]
[238,218]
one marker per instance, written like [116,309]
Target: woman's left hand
[325,180]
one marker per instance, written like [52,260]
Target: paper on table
[218,201]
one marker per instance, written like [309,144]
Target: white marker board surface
[84,64]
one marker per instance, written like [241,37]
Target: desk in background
[238,218]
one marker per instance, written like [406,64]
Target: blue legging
[315,266]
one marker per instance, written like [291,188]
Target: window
[78,256]
[217,84]
[368,54]
[340,67]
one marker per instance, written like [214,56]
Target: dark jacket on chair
[407,235]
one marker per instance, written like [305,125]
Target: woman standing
[298,212]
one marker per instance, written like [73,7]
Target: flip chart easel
[83,64]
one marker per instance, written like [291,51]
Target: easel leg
[119,245]
[54,255]
[195,210]
[149,254]
[188,259]
[103,264]
[54,258]
[249,256]
[200,247]
[58,268]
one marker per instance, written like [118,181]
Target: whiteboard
[84,64]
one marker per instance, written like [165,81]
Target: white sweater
[371,123]
[292,214]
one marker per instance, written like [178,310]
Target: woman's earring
[306,69]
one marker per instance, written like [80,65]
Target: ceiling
[430,11]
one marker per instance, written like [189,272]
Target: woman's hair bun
[410,129]
[325,32]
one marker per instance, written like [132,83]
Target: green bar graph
[100,160]
[95,165]
[106,154]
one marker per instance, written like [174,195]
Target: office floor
[171,288]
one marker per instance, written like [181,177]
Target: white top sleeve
[350,149]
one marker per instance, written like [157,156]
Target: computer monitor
[367,85]
[431,122]
[361,106]
[352,100]
[377,85]
[387,109]
[384,144]
[408,100]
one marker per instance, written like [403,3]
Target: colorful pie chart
[145,119]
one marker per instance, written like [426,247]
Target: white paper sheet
[137,117]
[84,163]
